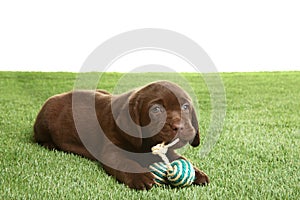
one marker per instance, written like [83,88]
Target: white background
[58,35]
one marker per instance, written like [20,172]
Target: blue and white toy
[179,173]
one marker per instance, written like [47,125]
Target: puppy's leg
[139,181]
[42,135]
[77,149]
[127,171]
[201,177]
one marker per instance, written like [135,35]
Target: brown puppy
[119,130]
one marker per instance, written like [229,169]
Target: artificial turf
[256,155]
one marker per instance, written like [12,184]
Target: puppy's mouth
[179,144]
[184,139]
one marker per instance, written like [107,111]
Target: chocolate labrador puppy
[119,130]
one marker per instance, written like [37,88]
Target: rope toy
[179,173]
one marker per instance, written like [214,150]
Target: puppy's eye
[185,107]
[157,109]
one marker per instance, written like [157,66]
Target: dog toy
[179,173]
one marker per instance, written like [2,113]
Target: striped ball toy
[181,173]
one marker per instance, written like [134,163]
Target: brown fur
[55,128]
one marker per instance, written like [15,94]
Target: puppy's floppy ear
[196,140]
[128,119]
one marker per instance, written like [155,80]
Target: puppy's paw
[201,178]
[142,181]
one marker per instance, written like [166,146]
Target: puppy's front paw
[201,178]
[140,181]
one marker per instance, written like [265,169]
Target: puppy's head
[161,111]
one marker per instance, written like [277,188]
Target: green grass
[256,156]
